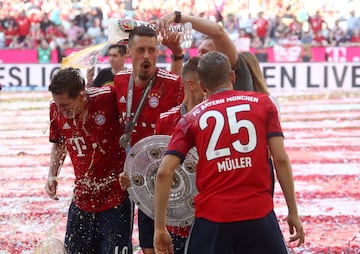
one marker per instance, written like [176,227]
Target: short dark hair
[141,31]
[120,47]
[214,70]
[69,81]
[190,67]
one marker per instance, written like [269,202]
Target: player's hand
[124,180]
[162,242]
[172,41]
[163,23]
[51,188]
[296,227]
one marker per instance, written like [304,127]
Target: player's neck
[188,103]
[218,90]
[141,82]
[116,70]
[81,112]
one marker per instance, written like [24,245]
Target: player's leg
[80,231]
[204,238]
[178,243]
[260,236]
[146,232]
[274,239]
[115,228]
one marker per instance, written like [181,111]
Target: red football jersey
[166,92]
[230,131]
[165,125]
[167,121]
[93,146]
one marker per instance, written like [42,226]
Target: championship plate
[141,165]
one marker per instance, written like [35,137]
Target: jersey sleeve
[273,122]
[181,141]
[175,94]
[158,125]
[54,132]
[277,104]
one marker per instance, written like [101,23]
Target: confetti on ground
[322,134]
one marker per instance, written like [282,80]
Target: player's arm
[57,157]
[285,178]
[222,41]
[90,76]
[162,239]
[172,41]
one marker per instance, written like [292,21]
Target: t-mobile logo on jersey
[78,144]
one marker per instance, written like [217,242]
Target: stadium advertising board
[279,76]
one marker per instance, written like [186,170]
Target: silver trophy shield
[141,165]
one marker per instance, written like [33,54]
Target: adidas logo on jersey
[122,99]
[66,126]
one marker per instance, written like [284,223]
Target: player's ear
[190,84]
[232,77]
[202,87]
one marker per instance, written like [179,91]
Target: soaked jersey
[93,146]
[166,92]
[230,131]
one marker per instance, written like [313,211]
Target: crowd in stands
[55,24]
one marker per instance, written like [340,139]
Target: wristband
[177,16]
[177,58]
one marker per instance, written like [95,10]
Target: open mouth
[146,65]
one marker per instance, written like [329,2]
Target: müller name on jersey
[234,163]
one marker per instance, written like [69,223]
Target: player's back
[230,132]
